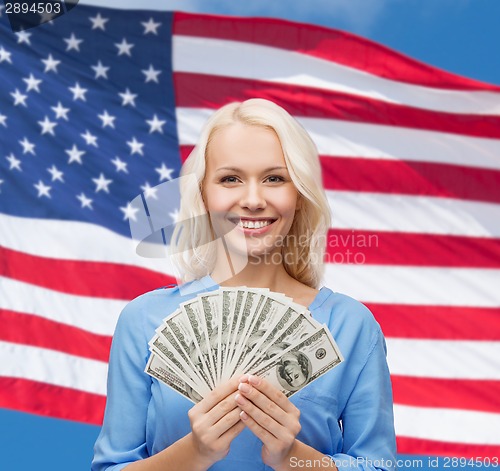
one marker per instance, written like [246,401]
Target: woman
[258,177]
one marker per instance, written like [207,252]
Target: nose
[253,197]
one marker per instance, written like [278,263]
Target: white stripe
[373,141]
[447,425]
[94,315]
[448,359]
[253,61]
[416,285]
[56,368]
[69,240]
[415,214]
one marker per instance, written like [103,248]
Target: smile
[254,224]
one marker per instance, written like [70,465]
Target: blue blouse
[346,414]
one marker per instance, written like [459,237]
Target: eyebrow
[236,169]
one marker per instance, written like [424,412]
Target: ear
[298,205]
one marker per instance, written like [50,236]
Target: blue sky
[460,36]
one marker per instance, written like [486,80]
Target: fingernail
[254,380]
[243,379]
[237,397]
[243,415]
[244,387]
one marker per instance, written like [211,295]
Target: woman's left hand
[270,415]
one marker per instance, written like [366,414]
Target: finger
[261,433]
[221,409]
[265,404]
[262,419]
[274,394]
[216,395]
[226,422]
[228,436]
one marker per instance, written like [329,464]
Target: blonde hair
[190,241]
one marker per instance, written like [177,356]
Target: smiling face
[247,187]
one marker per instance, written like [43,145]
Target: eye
[229,179]
[275,179]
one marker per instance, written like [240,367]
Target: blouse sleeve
[122,439]
[367,420]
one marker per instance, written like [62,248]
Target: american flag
[101,105]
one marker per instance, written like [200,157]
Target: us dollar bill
[210,307]
[299,326]
[302,363]
[158,369]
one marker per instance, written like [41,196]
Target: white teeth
[254,224]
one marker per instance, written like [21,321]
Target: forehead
[244,146]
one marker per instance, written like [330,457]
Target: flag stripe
[411,178]
[486,454]
[198,90]
[393,248]
[331,45]
[256,62]
[374,141]
[27,329]
[455,425]
[81,277]
[437,322]
[52,367]
[446,359]
[99,315]
[54,401]
[447,393]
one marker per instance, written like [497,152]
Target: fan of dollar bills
[218,334]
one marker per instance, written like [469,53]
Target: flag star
[28,147]
[14,163]
[46,16]
[120,165]
[5,55]
[50,64]
[100,70]
[149,191]
[19,98]
[150,26]
[43,190]
[47,126]
[165,172]
[56,174]
[75,155]
[60,111]
[73,43]
[155,124]
[3,119]
[175,215]
[32,83]
[107,119]
[102,183]
[135,146]
[90,139]
[124,47]
[78,92]
[86,202]
[129,212]
[98,22]
[128,98]
[151,74]
[23,37]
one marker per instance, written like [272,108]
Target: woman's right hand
[215,422]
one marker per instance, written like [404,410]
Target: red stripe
[447,393]
[325,43]
[405,177]
[411,178]
[210,91]
[419,446]
[98,279]
[437,322]
[28,329]
[406,249]
[53,401]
